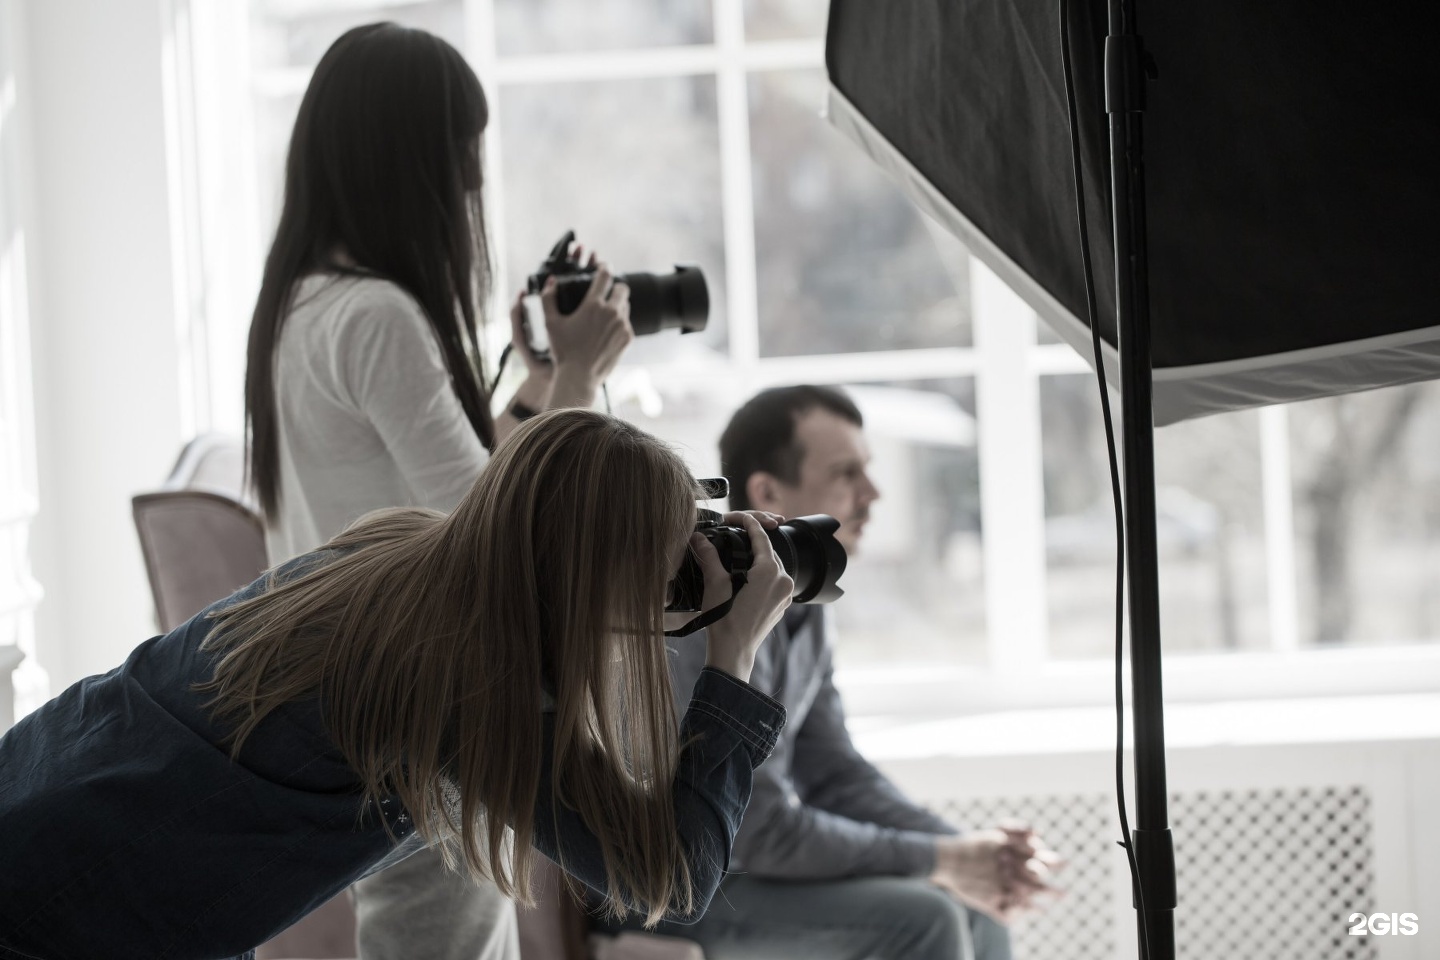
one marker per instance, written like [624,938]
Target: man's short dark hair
[761,435]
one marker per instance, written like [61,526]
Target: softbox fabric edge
[1180,393]
[1391,360]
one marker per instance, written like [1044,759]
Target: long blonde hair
[429,640]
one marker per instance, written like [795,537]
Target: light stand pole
[1125,75]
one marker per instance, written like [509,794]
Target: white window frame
[1006,364]
[24,684]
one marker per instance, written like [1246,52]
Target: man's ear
[763,491]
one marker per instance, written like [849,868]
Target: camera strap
[738,579]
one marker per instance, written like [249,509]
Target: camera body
[806,546]
[671,301]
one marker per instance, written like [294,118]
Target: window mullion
[1279,506]
[1012,499]
[735,185]
[482,51]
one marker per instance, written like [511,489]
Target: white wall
[106,364]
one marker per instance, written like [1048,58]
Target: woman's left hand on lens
[590,340]
[717,579]
[717,582]
[732,641]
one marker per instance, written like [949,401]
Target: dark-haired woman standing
[364,387]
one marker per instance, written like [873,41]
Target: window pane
[845,262]
[916,592]
[274,123]
[785,19]
[1366,474]
[690,415]
[646,199]
[559,26]
[296,33]
[1209,527]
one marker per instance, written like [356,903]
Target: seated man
[832,860]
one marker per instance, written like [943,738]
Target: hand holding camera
[580,316]
[588,339]
[775,561]
[731,642]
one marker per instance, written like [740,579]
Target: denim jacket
[127,831]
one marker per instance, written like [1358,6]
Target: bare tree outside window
[1209,527]
[1367,493]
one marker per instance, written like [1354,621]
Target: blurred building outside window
[667,131]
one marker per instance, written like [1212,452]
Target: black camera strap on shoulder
[738,579]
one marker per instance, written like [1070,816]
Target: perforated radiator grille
[1262,874]
[1273,875]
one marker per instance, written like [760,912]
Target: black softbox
[1291,160]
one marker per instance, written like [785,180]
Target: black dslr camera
[806,546]
[668,301]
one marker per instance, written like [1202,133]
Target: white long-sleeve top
[367,415]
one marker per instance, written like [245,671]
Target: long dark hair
[384,165]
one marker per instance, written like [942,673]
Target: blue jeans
[865,918]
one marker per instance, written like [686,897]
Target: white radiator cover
[1277,845]
[1261,873]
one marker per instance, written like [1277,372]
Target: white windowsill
[939,692]
[1317,720]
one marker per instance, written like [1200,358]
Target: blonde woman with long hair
[421,680]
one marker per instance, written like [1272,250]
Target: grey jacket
[819,810]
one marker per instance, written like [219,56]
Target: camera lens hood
[819,559]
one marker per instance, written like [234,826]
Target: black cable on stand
[1125,75]
[1118,498]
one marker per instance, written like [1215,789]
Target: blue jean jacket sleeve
[729,730]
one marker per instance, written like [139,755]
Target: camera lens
[668,301]
[658,301]
[812,557]
[806,547]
